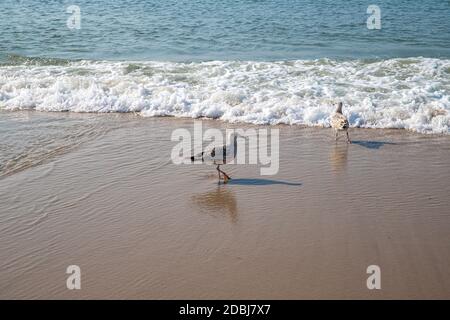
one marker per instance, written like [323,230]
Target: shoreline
[137,115]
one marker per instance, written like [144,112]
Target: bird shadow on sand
[260,182]
[374,145]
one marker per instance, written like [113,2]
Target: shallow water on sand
[141,227]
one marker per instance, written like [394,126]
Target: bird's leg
[225,176]
[348,138]
[336,135]
[218,171]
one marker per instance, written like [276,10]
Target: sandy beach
[108,199]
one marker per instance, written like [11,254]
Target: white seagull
[339,122]
[220,155]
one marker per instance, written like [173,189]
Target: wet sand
[141,227]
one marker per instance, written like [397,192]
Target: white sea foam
[409,93]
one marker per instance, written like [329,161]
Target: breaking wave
[412,93]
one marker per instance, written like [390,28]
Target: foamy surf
[411,93]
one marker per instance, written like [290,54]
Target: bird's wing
[339,121]
[217,155]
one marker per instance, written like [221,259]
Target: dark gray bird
[220,155]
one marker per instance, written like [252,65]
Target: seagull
[220,155]
[339,122]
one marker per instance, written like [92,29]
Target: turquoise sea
[198,30]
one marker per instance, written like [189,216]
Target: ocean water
[264,62]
